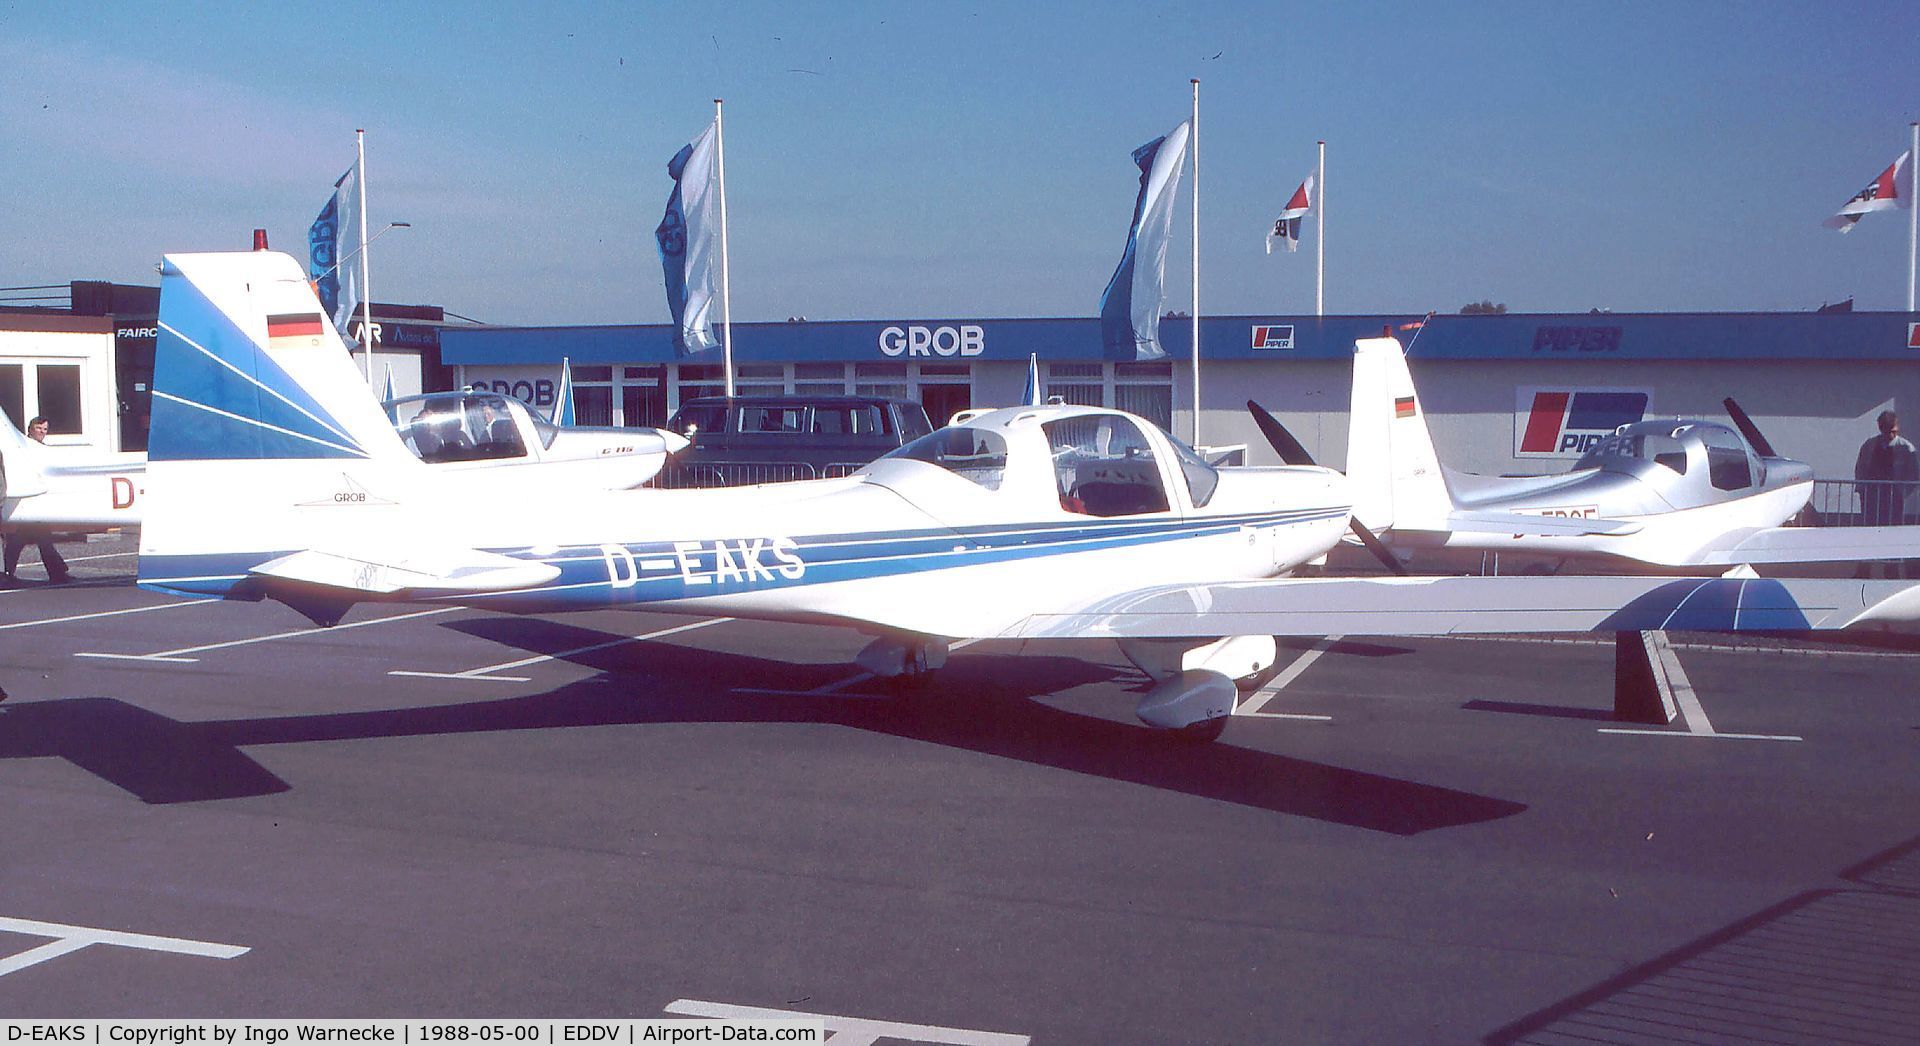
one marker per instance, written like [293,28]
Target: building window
[13,393]
[820,379]
[760,379]
[592,404]
[880,379]
[697,379]
[59,388]
[1145,389]
[643,397]
[1080,384]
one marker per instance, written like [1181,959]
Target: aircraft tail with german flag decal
[272,469]
[1391,465]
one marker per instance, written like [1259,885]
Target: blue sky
[971,160]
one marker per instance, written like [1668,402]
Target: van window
[867,420]
[772,419]
[699,417]
[913,424]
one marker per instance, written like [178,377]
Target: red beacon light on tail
[259,239]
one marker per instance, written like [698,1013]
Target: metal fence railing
[681,476]
[1861,503]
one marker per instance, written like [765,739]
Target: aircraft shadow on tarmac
[981,704]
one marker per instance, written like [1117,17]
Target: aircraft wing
[442,572]
[1410,606]
[1820,545]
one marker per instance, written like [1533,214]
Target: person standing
[1885,470]
[14,541]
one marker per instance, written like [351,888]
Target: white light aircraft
[65,488]
[1666,494]
[276,475]
[500,445]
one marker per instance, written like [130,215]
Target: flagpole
[726,271]
[1195,146]
[366,278]
[1320,238]
[1913,212]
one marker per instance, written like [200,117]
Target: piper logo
[1554,423]
[1268,337]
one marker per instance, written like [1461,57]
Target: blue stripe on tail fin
[217,394]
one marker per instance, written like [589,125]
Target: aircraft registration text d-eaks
[740,561]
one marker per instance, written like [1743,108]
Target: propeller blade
[1284,444]
[1748,428]
[1379,548]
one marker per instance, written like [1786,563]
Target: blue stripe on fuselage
[658,571]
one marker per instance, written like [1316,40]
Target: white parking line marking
[105,613]
[1259,698]
[68,939]
[850,1031]
[139,657]
[485,672]
[834,687]
[174,655]
[458,675]
[1702,737]
[1683,695]
[1698,725]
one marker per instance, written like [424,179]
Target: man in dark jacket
[14,541]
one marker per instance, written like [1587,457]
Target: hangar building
[1511,393]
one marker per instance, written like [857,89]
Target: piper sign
[1565,423]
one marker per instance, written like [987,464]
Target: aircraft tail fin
[1391,464]
[266,438]
[247,367]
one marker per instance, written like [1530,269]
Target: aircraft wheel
[1206,731]
[911,683]
[1248,684]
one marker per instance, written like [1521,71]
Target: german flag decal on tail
[1403,407]
[293,325]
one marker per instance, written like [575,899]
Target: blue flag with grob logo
[327,239]
[1130,306]
[686,239]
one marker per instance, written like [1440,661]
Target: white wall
[1816,411]
[93,353]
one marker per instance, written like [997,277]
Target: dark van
[773,439]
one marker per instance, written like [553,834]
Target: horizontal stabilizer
[1483,605]
[1821,545]
[440,572]
[22,482]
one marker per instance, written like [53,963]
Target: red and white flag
[1286,228]
[1892,189]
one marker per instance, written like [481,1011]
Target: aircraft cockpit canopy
[1729,463]
[979,455]
[1660,449]
[1103,463]
[463,426]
